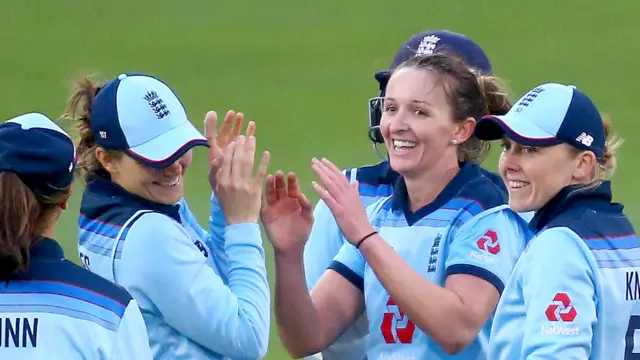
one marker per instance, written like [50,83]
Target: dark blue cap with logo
[547,115]
[38,151]
[142,116]
[428,42]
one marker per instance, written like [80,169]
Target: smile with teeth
[169,183]
[400,145]
[514,184]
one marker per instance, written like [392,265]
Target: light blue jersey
[325,241]
[468,229]
[575,292]
[57,310]
[203,295]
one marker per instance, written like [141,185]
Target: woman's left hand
[343,199]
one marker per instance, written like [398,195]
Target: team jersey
[374,183]
[203,295]
[575,292]
[58,310]
[467,229]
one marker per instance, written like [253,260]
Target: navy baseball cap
[444,41]
[140,115]
[427,42]
[549,114]
[38,151]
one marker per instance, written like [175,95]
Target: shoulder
[70,280]
[479,195]
[378,174]
[555,243]
[157,228]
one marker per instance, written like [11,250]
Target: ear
[586,162]
[63,204]
[464,130]
[107,161]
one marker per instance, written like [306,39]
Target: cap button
[122,76]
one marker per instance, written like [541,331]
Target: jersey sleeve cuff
[243,234]
[348,274]
[478,272]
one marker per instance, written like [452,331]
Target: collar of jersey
[98,185]
[46,248]
[570,198]
[400,197]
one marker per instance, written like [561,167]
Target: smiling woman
[135,228]
[443,205]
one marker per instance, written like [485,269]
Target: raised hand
[218,142]
[239,191]
[343,199]
[287,214]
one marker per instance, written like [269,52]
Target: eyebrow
[412,101]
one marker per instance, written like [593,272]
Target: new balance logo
[157,105]
[585,139]
[528,98]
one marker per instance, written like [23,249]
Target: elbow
[298,347]
[456,341]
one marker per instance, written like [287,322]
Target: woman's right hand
[239,191]
[218,141]
[287,215]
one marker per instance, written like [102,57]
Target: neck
[48,233]
[424,189]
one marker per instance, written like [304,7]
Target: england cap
[140,115]
[549,114]
[38,151]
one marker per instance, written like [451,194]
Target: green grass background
[303,70]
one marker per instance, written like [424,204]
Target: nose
[397,121]
[510,160]
[173,169]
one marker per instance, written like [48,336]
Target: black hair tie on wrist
[365,238]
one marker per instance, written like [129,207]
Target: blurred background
[303,70]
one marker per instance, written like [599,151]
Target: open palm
[286,213]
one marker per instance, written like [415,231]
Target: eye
[420,112]
[529,149]
[505,145]
[388,108]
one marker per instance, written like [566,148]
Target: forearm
[248,281]
[298,321]
[437,311]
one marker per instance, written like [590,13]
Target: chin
[170,196]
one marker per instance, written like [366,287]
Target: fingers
[224,174]
[251,128]
[293,187]
[325,196]
[321,172]
[211,132]
[262,170]
[332,172]
[270,189]
[305,204]
[281,185]
[237,126]
[239,161]
[248,158]
[225,129]
[306,209]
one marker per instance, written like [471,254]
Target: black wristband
[365,238]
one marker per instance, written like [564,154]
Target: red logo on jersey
[489,242]
[561,309]
[394,320]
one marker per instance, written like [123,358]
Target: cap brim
[162,151]
[520,130]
